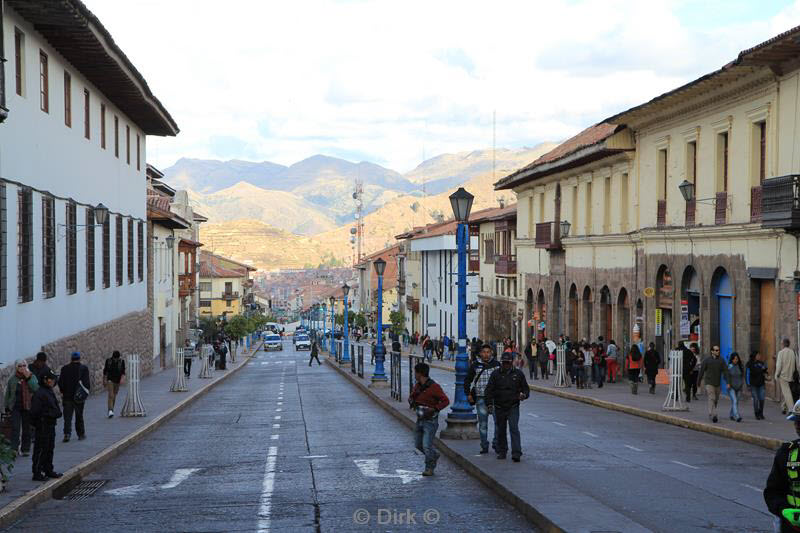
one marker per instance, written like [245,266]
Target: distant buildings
[225,286]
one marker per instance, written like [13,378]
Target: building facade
[224,285]
[75,137]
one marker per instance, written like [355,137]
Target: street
[278,447]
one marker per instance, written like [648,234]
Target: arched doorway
[639,323]
[690,305]
[529,315]
[722,312]
[573,313]
[541,314]
[665,295]
[605,313]
[556,315]
[586,326]
[623,320]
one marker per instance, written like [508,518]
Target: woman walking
[756,377]
[587,366]
[634,365]
[19,392]
[652,360]
[736,371]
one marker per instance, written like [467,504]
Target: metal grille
[395,377]
[721,208]
[118,246]
[107,252]
[691,209]
[25,244]
[90,229]
[130,250]
[84,489]
[755,204]
[72,249]
[661,213]
[48,247]
[140,257]
[361,361]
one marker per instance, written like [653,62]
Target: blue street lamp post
[461,421]
[324,320]
[333,324]
[378,374]
[346,348]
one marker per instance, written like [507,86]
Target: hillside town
[631,292]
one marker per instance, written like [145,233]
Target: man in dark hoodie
[74,384]
[44,412]
[506,388]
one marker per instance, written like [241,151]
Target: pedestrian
[756,376]
[188,355]
[427,398]
[45,411]
[74,384]
[736,371]
[785,368]
[427,348]
[634,365]
[588,360]
[519,361]
[113,377]
[543,357]
[780,493]
[689,371]
[505,389]
[314,354]
[695,348]
[611,361]
[223,354]
[569,362]
[652,360]
[713,369]
[396,346]
[439,349]
[600,366]
[21,387]
[446,346]
[580,373]
[39,366]
[475,388]
[532,370]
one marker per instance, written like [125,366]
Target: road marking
[130,490]
[751,487]
[687,466]
[278,417]
[276,426]
[369,468]
[634,448]
[533,415]
[275,437]
[267,487]
[280,403]
[180,475]
[560,424]
[278,410]
[312,456]
[590,434]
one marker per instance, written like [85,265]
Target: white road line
[180,475]
[751,487]
[560,424]
[687,466]
[275,437]
[278,410]
[280,403]
[278,417]
[533,415]
[312,456]
[634,448]
[276,426]
[590,434]
[265,509]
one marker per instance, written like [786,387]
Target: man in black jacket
[782,493]
[506,388]
[475,389]
[44,413]
[68,383]
[689,372]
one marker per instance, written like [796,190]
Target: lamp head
[564,226]
[380,266]
[345,289]
[100,214]
[461,202]
[687,190]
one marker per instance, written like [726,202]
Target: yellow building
[369,280]
[224,287]
[683,215]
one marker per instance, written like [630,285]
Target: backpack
[636,356]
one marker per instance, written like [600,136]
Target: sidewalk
[105,437]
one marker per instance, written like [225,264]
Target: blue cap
[76,355]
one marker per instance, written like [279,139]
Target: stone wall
[496,318]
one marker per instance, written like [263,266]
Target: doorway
[587,313]
[557,328]
[605,313]
[573,313]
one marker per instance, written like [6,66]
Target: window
[140,257]
[662,174]
[205,303]
[762,151]
[607,205]
[623,193]
[138,153]
[90,248]
[116,136]
[575,206]
[72,248]
[86,117]
[228,287]
[128,143]
[587,215]
[722,162]
[481,283]
[48,247]
[118,246]
[24,245]
[205,286]
[67,99]
[3,246]
[44,84]
[130,250]
[19,61]
[228,303]
[107,252]
[103,126]
[496,286]
[691,163]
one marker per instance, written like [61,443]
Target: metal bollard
[674,401]
[561,379]
[133,403]
[179,384]
[205,354]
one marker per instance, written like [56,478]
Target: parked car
[273,342]
[302,342]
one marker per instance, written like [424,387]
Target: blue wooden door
[724,295]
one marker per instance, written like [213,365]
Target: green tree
[360,320]
[398,321]
[238,326]
[209,327]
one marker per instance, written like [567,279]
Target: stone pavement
[103,433]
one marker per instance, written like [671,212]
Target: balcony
[474,260]
[691,210]
[505,264]
[780,202]
[661,213]
[546,236]
[230,295]
[412,304]
[186,285]
[721,208]
[755,204]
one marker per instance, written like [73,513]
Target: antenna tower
[357,233]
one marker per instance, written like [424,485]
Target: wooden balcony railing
[546,236]
[721,208]
[474,260]
[186,285]
[230,295]
[691,210]
[661,213]
[755,204]
[780,202]
[505,264]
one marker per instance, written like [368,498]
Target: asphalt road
[278,447]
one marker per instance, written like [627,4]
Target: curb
[527,510]
[756,440]
[15,509]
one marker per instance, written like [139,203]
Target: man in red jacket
[427,398]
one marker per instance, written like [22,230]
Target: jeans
[759,394]
[427,355]
[20,423]
[71,407]
[734,396]
[543,368]
[44,444]
[113,389]
[424,434]
[483,423]
[713,400]
[508,416]
[532,370]
[633,377]
[187,367]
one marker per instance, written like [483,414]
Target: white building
[75,137]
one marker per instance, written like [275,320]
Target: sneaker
[714,419]
[110,413]
[25,453]
[427,472]
[515,458]
[81,437]
[484,450]
[39,477]
[739,419]
[54,474]
[501,456]
[66,438]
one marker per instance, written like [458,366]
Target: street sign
[685,324]
[659,318]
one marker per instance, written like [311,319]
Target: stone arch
[606,320]
[541,313]
[691,290]
[529,314]
[558,327]
[665,300]
[572,301]
[622,332]
[587,315]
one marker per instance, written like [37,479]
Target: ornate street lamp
[333,324]
[378,374]
[461,421]
[346,348]
[564,226]
[687,190]
[100,214]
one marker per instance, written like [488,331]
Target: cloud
[389,81]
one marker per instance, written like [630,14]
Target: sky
[395,82]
